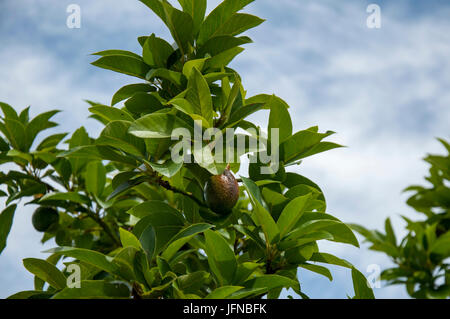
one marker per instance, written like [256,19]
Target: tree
[133,216]
[421,257]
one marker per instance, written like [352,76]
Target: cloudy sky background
[384,91]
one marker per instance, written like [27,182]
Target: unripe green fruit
[222,192]
[44,217]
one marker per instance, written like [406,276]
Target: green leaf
[8,111]
[15,132]
[199,95]
[221,258]
[46,271]
[263,217]
[123,64]
[311,222]
[88,256]
[116,134]
[181,27]
[191,64]
[79,138]
[280,119]
[166,221]
[3,145]
[148,241]
[117,52]
[304,143]
[156,51]
[125,186]
[25,156]
[111,114]
[318,269]
[163,266]
[271,282]
[31,294]
[242,113]
[182,105]
[442,245]
[37,125]
[128,239]
[97,153]
[95,289]
[219,17]
[51,141]
[196,9]
[223,292]
[157,7]
[361,286]
[184,236]
[390,235]
[292,213]
[222,59]
[143,103]
[221,43]
[6,219]
[129,90]
[69,196]
[95,178]
[330,259]
[238,23]
[192,282]
[157,125]
[175,77]
[168,168]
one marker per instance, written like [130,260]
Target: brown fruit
[222,192]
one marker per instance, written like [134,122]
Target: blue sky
[384,91]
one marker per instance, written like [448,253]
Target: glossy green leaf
[90,257]
[219,17]
[157,125]
[144,103]
[223,292]
[219,44]
[148,241]
[156,51]
[221,258]
[330,259]
[116,134]
[181,27]
[196,9]
[6,219]
[69,196]
[292,213]
[111,114]
[199,95]
[46,271]
[175,77]
[271,282]
[128,239]
[95,178]
[95,289]
[238,23]
[279,119]
[262,216]
[318,269]
[129,90]
[361,286]
[123,64]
